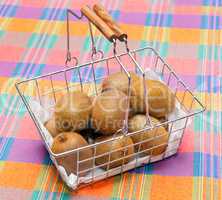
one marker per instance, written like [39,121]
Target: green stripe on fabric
[208,121]
[198,123]
[117,185]
[2,33]
[217,125]
[136,182]
[211,52]
[3,98]
[35,195]
[47,195]
[208,189]
[2,164]
[9,107]
[146,187]
[55,195]
[106,47]
[51,42]
[48,43]
[202,52]
[41,177]
[127,185]
[164,49]
[32,40]
[87,43]
[196,188]
[65,196]
[12,105]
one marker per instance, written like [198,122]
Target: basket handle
[99,23]
[107,18]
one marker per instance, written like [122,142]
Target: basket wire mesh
[48,88]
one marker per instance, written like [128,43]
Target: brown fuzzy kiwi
[117,146]
[137,123]
[72,112]
[51,127]
[161,100]
[119,81]
[109,109]
[66,141]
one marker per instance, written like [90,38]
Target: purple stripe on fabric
[6,68]
[186,21]
[28,12]
[32,151]
[188,2]
[53,68]
[188,80]
[133,18]
[179,165]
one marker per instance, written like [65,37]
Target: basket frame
[132,55]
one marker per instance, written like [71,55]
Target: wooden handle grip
[99,23]
[105,16]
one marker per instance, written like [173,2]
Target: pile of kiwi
[79,120]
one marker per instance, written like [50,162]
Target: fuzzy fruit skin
[137,123]
[68,141]
[119,81]
[109,110]
[161,100]
[73,111]
[51,127]
[117,145]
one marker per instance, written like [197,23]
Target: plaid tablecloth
[187,33]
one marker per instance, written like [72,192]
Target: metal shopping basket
[41,93]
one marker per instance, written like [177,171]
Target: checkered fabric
[187,33]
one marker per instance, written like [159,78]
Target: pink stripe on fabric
[27,129]
[132,6]
[188,66]
[13,56]
[79,4]
[34,3]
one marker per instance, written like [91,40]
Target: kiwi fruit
[137,123]
[51,127]
[109,110]
[161,100]
[66,141]
[117,148]
[119,81]
[72,112]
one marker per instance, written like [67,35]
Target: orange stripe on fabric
[19,175]
[167,187]
[135,32]
[188,36]
[99,189]
[22,25]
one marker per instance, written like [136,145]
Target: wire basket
[41,93]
